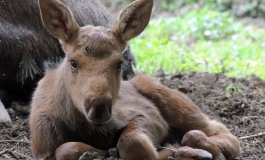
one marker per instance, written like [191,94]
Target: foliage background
[203,36]
[253,8]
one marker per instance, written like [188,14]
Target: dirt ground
[238,103]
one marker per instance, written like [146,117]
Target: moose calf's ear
[133,19]
[58,19]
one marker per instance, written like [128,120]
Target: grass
[203,41]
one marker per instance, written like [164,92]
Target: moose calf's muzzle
[99,111]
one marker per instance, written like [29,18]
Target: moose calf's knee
[193,137]
[144,82]
[135,147]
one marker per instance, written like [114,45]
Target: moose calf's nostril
[99,110]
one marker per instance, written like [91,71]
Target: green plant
[231,89]
[203,40]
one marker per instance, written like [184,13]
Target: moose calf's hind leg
[198,139]
[181,113]
[73,150]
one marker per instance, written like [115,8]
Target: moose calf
[82,104]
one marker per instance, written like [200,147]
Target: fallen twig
[22,155]
[11,154]
[14,141]
[251,136]
[22,135]
[6,151]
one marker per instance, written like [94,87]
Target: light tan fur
[83,103]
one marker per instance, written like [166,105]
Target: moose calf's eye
[73,64]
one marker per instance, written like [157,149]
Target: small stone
[4,116]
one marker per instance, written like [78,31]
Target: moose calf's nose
[99,110]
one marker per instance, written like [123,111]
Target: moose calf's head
[91,69]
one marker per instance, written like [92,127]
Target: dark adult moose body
[25,44]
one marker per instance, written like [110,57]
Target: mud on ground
[238,103]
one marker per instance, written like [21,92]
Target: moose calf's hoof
[202,155]
[220,157]
[191,153]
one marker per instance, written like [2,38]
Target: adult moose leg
[184,116]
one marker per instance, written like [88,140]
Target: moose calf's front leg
[140,138]
[135,145]
[73,150]
[46,134]
[184,116]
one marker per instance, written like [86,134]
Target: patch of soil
[14,139]
[238,103]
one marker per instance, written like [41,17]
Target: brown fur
[83,102]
